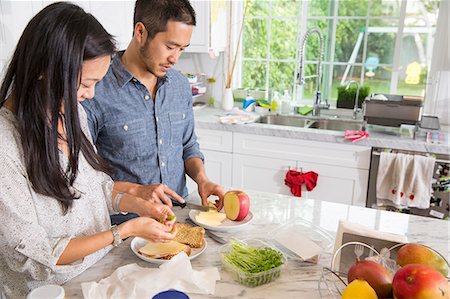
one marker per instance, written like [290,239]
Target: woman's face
[92,71]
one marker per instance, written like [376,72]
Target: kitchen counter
[270,211]
[207,118]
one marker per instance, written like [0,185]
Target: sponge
[263,103]
[304,110]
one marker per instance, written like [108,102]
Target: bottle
[286,103]
[249,103]
[275,104]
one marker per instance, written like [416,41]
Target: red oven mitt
[295,180]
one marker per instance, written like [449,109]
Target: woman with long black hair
[55,198]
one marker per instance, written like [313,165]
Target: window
[384,44]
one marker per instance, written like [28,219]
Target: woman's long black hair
[43,76]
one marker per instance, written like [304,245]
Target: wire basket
[332,282]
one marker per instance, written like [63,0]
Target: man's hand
[208,188]
[157,193]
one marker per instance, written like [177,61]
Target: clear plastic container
[251,279]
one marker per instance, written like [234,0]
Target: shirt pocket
[178,123]
[130,138]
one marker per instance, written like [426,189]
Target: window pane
[380,48]
[255,38]
[389,8]
[312,44]
[349,37]
[320,7]
[379,81]
[285,7]
[281,76]
[283,42]
[257,8]
[254,74]
[352,8]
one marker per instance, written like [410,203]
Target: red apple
[416,281]
[378,277]
[236,204]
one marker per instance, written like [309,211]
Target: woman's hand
[149,229]
[157,211]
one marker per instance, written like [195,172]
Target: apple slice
[236,204]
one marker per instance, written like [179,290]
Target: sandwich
[164,251]
[190,235]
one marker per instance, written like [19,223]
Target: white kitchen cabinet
[261,162]
[261,173]
[338,184]
[257,162]
[211,29]
[216,146]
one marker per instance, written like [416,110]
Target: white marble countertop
[208,118]
[270,211]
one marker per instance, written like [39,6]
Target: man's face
[162,52]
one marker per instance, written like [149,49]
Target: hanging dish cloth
[404,180]
[295,180]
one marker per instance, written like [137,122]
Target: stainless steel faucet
[355,106]
[317,104]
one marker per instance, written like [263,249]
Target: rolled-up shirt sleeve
[26,244]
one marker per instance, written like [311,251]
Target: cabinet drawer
[215,140]
[303,150]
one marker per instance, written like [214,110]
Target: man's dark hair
[155,14]
[43,76]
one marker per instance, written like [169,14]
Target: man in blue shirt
[141,117]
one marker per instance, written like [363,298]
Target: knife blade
[195,207]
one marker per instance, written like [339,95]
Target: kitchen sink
[285,120]
[313,123]
[336,125]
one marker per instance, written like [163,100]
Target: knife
[210,234]
[195,207]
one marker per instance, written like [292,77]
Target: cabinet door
[338,184]
[261,173]
[210,31]
[217,167]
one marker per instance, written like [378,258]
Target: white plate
[137,243]
[226,225]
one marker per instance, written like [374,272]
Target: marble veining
[207,118]
[270,211]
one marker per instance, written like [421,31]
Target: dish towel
[295,180]
[404,180]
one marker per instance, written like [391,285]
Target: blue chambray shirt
[145,142]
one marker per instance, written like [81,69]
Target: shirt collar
[124,76]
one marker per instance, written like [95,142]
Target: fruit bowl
[333,279]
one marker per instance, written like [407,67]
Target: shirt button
[125,127]
[160,141]
[163,164]
[184,116]
[147,97]
[157,119]
[21,246]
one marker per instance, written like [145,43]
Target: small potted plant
[346,96]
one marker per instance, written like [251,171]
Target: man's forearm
[195,169]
